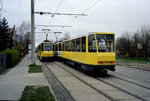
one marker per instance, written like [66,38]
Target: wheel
[104,72]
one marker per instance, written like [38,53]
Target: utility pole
[32,34]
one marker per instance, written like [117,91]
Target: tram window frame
[63,46]
[83,46]
[78,44]
[92,43]
[73,45]
[57,47]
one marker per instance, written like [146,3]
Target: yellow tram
[92,52]
[45,50]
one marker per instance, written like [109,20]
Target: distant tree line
[135,44]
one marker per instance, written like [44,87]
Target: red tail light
[113,61]
[99,62]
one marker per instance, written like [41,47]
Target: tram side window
[57,47]
[42,47]
[53,47]
[65,46]
[73,45]
[78,45]
[83,44]
[91,43]
[60,48]
[69,45]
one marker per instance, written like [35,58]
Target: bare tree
[123,43]
[145,39]
[137,44]
[22,30]
[66,36]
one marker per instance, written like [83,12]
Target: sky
[116,16]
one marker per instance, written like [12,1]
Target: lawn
[37,93]
[132,60]
[35,69]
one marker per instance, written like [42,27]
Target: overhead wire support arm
[48,32]
[54,26]
[50,13]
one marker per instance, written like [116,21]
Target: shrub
[13,56]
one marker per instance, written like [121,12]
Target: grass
[35,69]
[132,60]
[37,93]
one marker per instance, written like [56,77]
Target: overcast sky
[115,16]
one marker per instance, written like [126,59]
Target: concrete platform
[13,83]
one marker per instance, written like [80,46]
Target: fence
[3,61]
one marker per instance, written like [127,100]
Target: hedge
[13,56]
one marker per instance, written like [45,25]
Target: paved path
[13,83]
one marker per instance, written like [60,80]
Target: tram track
[121,89]
[127,86]
[59,90]
[129,81]
[100,91]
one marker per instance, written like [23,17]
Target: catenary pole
[32,34]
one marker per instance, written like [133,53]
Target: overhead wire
[56,10]
[19,3]
[91,6]
[59,5]
[85,10]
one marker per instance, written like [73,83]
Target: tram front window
[105,42]
[48,47]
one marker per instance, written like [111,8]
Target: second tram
[92,52]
